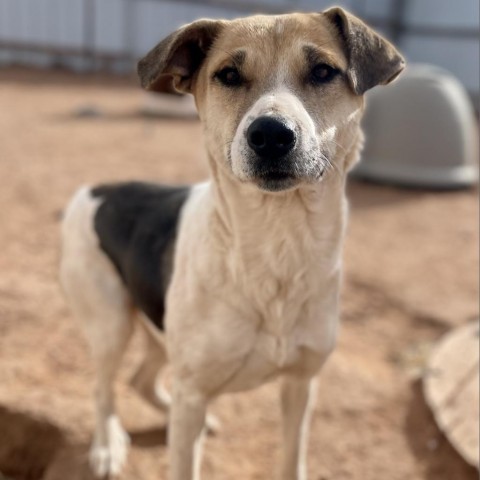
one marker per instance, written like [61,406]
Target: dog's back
[134,224]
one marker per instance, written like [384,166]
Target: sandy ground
[411,274]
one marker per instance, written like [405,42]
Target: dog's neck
[304,223]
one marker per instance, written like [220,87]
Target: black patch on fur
[136,224]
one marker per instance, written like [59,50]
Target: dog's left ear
[177,58]
[372,59]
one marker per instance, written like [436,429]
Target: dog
[236,281]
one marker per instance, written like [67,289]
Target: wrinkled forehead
[264,42]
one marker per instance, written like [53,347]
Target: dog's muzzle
[271,140]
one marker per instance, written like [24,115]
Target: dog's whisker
[329,165]
[338,145]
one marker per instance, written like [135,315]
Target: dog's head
[278,95]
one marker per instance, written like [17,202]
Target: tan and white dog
[242,273]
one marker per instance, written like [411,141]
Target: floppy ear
[176,59]
[372,59]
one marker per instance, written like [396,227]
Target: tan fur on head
[372,59]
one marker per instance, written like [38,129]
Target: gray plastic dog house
[421,131]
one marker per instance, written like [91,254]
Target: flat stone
[451,389]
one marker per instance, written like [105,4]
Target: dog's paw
[107,458]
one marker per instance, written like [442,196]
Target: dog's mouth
[276,176]
[275,180]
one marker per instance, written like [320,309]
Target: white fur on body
[255,285]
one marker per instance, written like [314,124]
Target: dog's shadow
[149,438]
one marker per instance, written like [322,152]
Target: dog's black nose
[270,138]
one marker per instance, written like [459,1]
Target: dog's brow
[314,55]
[238,57]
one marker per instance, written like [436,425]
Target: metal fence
[111,34]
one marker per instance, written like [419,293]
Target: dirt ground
[410,274]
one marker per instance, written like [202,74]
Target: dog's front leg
[186,426]
[296,399]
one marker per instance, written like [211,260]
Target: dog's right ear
[177,58]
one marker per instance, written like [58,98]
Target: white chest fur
[255,285]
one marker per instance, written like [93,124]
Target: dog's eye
[323,73]
[229,76]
